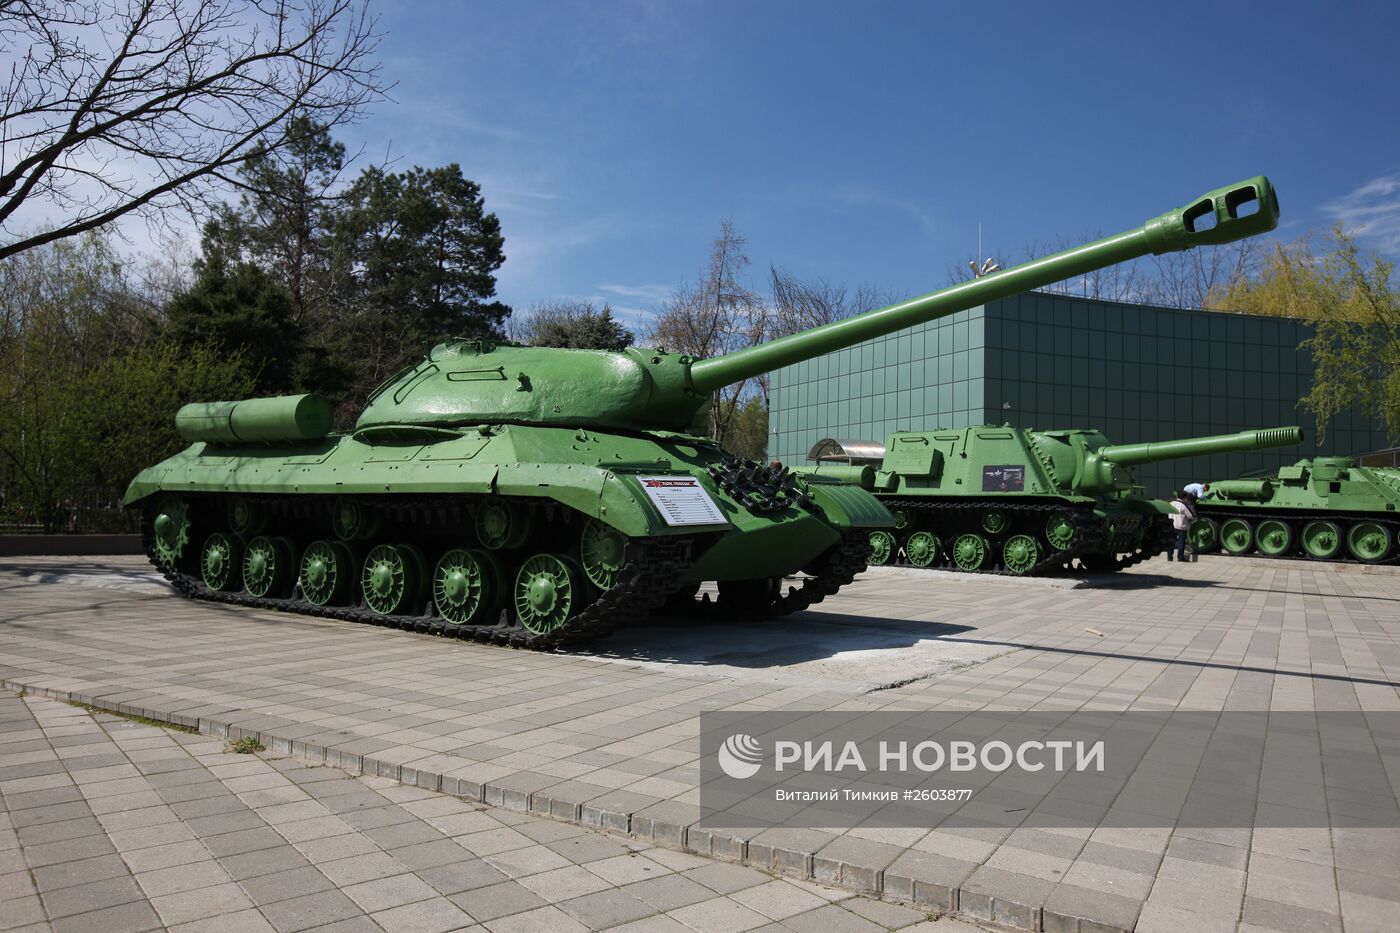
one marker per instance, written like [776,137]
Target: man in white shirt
[1196,489]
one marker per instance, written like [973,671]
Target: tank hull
[1325,509]
[503,494]
[1001,499]
[1103,537]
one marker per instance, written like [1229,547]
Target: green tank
[993,498]
[534,496]
[1328,508]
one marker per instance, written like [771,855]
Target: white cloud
[873,197]
[1371,211]
[652,293]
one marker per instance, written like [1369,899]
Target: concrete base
[610,741]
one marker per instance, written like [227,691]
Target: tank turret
[535,496]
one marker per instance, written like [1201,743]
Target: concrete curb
[938,574]
[926,880]
[1302,563]
[68,545]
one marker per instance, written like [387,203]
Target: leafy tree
[748,434]
[421,253]
[140,391]
[238,308]
[286,215]
[1354,304]
[86,397]
[576,325]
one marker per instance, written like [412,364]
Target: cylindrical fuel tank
[853,474]
[256,420]
[1257,490]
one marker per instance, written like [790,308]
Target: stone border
[1302,563]
[68,545]
[924,879]
[1053,582]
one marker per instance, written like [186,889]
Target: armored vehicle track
[1015,538]
[291,554]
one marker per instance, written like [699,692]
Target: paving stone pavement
[611,740]
[110,825]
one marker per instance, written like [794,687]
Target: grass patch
[246,745]
[143,720]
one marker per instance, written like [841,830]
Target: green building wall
[1135,372]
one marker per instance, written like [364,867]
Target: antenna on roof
[982,267]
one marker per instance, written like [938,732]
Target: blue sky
[864,142]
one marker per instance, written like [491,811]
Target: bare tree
[800,305]
[1198,278]
[572,324]
[115,107]
[719,314]
[1122,281]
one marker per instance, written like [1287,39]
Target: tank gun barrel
[1213,218]
[1133,454]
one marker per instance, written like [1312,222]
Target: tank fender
[598,493]
[848,505]
[148,482]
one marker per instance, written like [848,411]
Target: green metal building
[1135,372]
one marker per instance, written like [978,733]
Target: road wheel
[1236,536]
[546,593]
[220,562]
[1368,542]
[1204,535]
[465,585]
[327,569]
[921,548]
[970,552]
[1322,540]
[882,548]
[1274,537]
[1020,553]
[268,566]
[392,578]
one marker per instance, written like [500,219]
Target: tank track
[648,577]
[1254,516]
[842,562]
[1165,539]
[1081,546]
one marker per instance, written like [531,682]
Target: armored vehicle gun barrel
[1133,454]
[1213,218]
[1109,467]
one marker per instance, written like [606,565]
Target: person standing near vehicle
[1183,514]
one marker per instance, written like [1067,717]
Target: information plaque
[681,500]
[1006,478]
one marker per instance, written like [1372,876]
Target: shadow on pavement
[1215,665]
[804,636]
